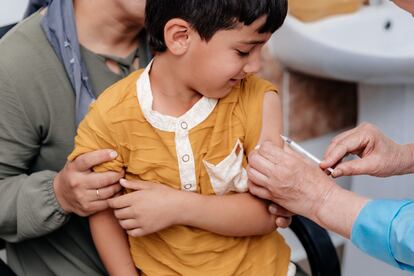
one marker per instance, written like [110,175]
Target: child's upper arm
[263,113]
[94,134]
[271,119]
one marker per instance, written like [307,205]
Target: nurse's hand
[283,216]
[379,155]
[287,179]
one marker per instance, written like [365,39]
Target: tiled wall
[312,106]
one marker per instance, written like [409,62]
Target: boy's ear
[177,36]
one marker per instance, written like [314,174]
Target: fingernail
[272,209]
[257,147]
[122,181]
[337,172]
[113,154]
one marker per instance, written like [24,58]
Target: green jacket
[37,127]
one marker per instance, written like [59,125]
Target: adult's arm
[384,229]
[302,188]
[381,228]
[28,200]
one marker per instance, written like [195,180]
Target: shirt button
[188,186]
[184,125]
[185,158]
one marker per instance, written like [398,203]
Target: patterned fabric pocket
[228,175]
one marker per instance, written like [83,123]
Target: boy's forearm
[112,244]
[228,215]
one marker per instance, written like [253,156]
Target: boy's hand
[149,208]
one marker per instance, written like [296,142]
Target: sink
[374,45]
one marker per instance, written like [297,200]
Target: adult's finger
[259,191]
[100,180]
[283,222]
[271,152]
[279,211]
[338,150]
[88,160]
[257,177]
[352,167]
[92,208]
[105,192]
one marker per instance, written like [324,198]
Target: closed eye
[242,54]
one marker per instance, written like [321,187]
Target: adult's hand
[379,155]
[287,179]
[81,191]
[283,218]
[149,208]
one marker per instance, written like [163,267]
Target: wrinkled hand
[76,184]
[379,155]
[149,208]
[288,180]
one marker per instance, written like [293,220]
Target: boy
[188,121]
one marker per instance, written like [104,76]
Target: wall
[312,106]
[12,11]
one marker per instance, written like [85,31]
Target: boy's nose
[254,63]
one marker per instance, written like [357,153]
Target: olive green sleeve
[27,201]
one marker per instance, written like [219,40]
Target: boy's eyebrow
[253,42]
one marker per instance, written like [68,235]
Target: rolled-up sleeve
[385,230]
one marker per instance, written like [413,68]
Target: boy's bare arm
[153,207]
[235,215]
[272,119]
[112,244]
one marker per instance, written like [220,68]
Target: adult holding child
[188,121]
[52,65]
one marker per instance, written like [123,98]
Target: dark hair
[209,16]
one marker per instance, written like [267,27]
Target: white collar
[194,116]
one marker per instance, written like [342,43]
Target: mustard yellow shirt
[202,151]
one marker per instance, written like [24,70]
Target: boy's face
[214,67]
